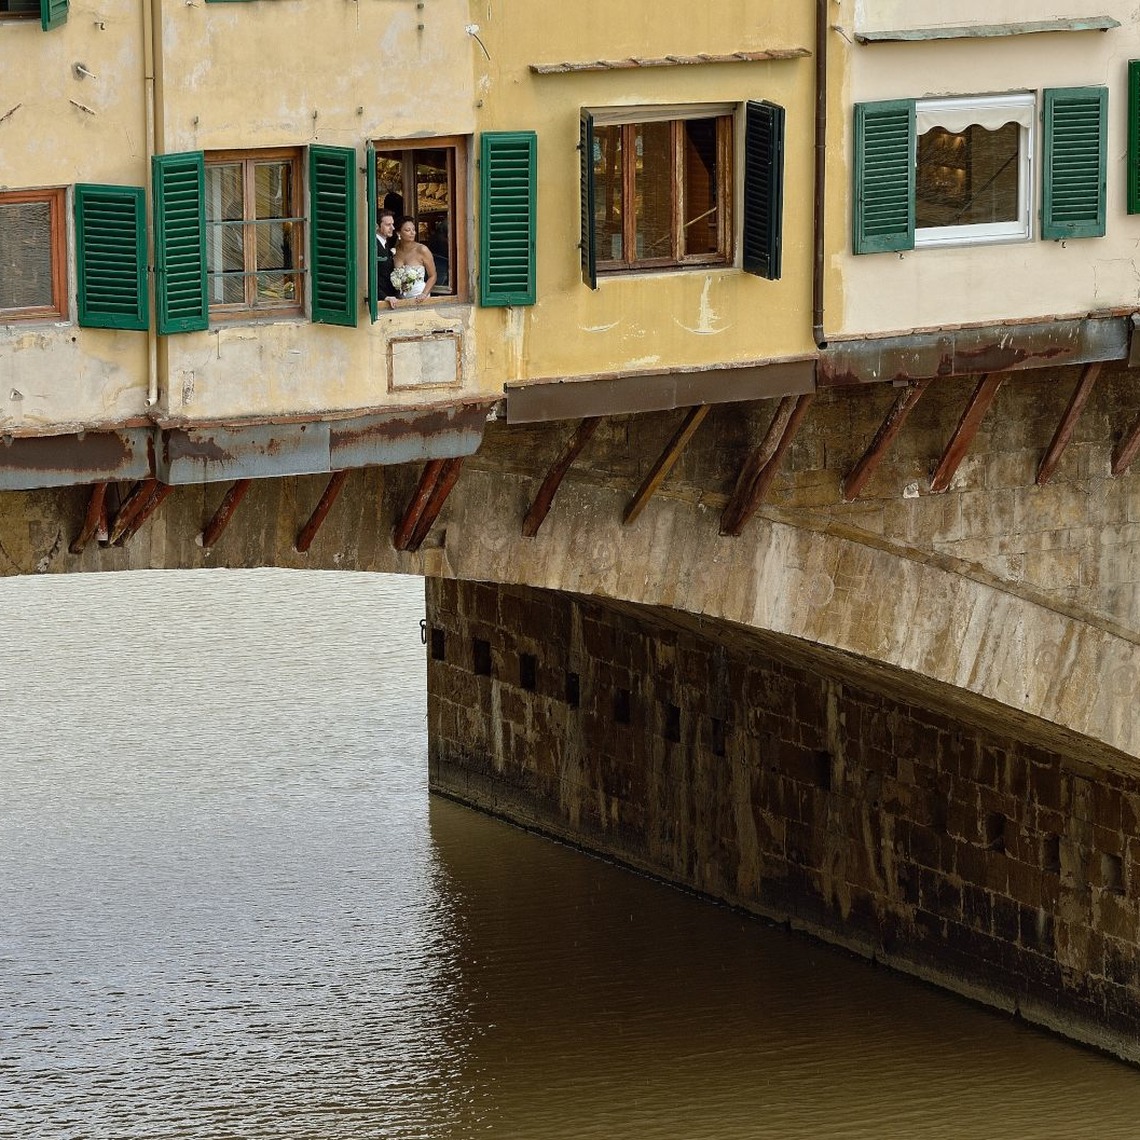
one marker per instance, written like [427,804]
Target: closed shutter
[110,240]
[1134,136]
[763,189]
[1073,171]
[370,233]
[507,214]
[53,13]
[332,190]
[180,242]
[587,243]
[884,176]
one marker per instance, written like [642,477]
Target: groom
[385,246]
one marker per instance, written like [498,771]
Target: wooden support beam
[890,427]
[1127,450]
[331,493]
[96,520]
[762,465]
[665,462]
[126,528]
[224,513]
[1066,427]
[448,477]
[984,393]
[540,508]
[402,534]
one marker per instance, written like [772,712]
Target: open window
[33,255]
[50,13]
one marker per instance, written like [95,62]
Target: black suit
[384,266]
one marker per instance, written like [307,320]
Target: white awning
[990,112]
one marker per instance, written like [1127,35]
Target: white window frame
[1022,107]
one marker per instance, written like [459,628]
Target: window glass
[31,254]
[700,186]
[967,178]
[653,190]
[608,193]
[19,8]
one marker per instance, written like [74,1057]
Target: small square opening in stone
[717,736]
[573,690]
[672,726]
[1112,873]
[438,645]
[622,706]
[995,831]
[528,671]
[1051,854]
[823,769]
[481,657]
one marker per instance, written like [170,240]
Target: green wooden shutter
[763,189]
[332,208]
[507,180]
[370,231]
[884,176]
[1073,169]
[587,242]
[180,242]
[110,246]
[53,13]
[1134,136]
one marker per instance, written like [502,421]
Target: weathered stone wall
[1001,870]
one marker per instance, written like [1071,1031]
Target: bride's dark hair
[407,218]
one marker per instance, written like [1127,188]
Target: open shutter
[110,241]
[1134,136]
[507,181]
[53,13]
[332,191]
[1073,170]
[884,176]
[586,243]
[763,189]
[370,232]
[180,242]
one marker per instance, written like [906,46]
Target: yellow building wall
[646,321]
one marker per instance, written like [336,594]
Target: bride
[413,267]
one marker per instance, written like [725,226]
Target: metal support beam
[665,461]
[1127,450]
[984,393]
[760,469]
[331,493]
[1066,427]
[448,477]
[224,513]
[543,500]
[890,427]
[147,497]
[96,521]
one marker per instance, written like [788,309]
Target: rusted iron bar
[402,535]
[124,533]
[331,493]
[134,503]
[890,427]
[1127,450]
[665,462]
[224,513]
[448,477]
[96,520]
[1067,426]
[540,508]
[984,393]
[761,468]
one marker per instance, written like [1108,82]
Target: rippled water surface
[228,908]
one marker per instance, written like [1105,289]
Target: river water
[229,908]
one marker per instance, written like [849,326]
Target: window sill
[667,270]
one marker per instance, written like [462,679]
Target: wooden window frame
[248,159]
[460,146]
[56,198]
[725,128]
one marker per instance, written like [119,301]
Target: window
[33,255]
[51,13]
[961,170]
[661,191]
[657,188]
[15,9]
[254,232]
[426,180]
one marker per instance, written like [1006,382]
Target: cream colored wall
[53,372]
[894,15]
[656,320]
[927,288]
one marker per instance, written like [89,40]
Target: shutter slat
[110,240]
[763,189]
[332,182]
[507,180]
[1074,165]
[180,242]
[884,176]
[53,14]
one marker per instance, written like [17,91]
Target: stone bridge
[902,718]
